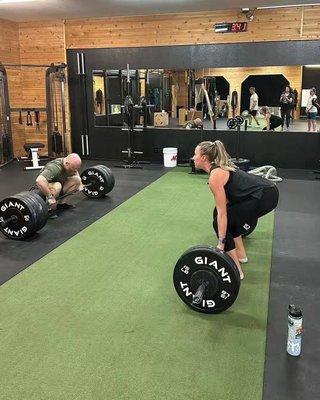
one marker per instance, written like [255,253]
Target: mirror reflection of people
[286,104]
[234,102]
[195,124]
[254,106]
[295,103]
[311,110]
[99,100]
[240,198]
[273,121]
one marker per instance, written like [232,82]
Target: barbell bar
[6,222]
[85,187]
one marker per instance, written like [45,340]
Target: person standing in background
[99,100]
[295,103]
[286,103]
[254,107]
[234,102]
[311,110]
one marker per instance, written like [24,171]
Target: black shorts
[241,216]
[253,112]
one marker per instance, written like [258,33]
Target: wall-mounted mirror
[178,98]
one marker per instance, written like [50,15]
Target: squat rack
[55,102]
[5,126]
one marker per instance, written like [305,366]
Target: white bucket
[170,155]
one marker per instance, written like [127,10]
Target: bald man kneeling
[60,176]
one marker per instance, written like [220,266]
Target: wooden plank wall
[31,43]
[310,20]
[40,43]
[296,23]
[179,81]
[47,41]
[9,42]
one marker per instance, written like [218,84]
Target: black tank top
[275,120]
[241,186]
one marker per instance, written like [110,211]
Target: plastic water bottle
[294,330]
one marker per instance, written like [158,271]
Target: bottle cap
[295,311]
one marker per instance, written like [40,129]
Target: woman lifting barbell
[240,198]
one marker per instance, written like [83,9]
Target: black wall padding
[222,87]
[268,88]
[311,78]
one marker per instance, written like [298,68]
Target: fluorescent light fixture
[223,27]
[289,5]
[13,1]
[312,66]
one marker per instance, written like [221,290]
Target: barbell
[25,213]
[233,123]
[98,181]
[206,279]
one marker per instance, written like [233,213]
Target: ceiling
[71,9]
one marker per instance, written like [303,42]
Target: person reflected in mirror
[240,198]
[273,121]
[99,100]
[195,124]
[254,106]
[234,102]
[312,110]
[295,104]
[286,105]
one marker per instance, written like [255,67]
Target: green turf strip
[98,318]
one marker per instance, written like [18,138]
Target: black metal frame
[52,69]
[7,122]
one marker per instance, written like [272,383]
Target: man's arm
[254,102]
[43,185]
[268,122]
[308,108]
[315,102]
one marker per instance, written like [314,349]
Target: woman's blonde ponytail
[217,154]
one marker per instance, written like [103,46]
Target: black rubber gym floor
[18,255]
[295,278]
[295,263]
